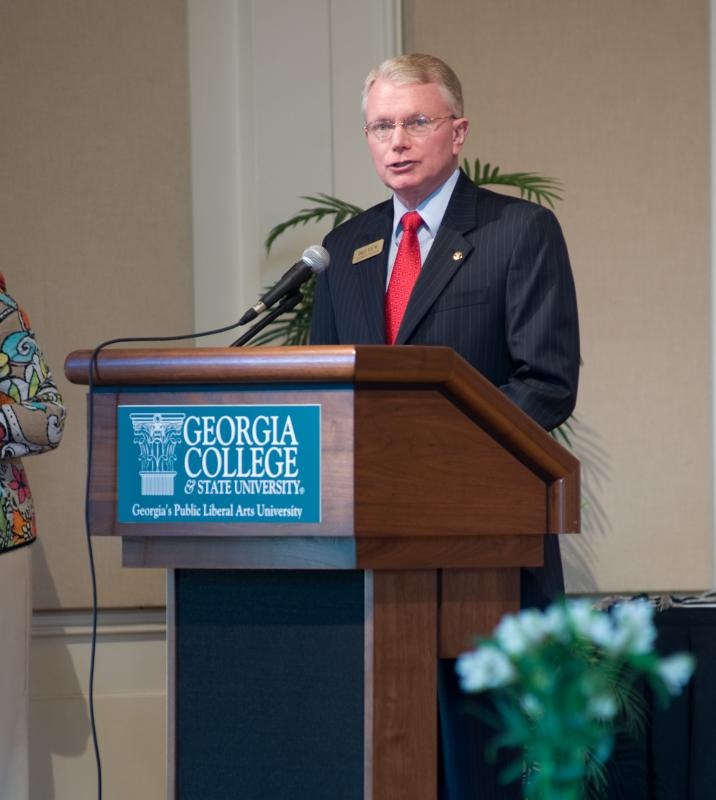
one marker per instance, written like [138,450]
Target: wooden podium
[303,655]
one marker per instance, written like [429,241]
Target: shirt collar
[432,209]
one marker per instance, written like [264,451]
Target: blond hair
[418,68]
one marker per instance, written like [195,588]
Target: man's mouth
[402,164]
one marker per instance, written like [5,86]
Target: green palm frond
[324,206]
[563,432]
[294,326]
[537,188]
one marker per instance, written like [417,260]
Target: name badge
[368,251]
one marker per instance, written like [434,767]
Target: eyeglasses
[420,125]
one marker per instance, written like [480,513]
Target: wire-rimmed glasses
[419,125]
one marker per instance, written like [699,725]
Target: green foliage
[323,206]
[532,187]
[564,432]
[294,326]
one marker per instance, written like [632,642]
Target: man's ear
[459,133]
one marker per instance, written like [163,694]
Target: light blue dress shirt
[432,210]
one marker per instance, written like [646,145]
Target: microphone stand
[289,301]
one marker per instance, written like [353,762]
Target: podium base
[269,679]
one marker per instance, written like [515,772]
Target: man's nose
[400,139]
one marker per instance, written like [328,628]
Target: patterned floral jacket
[31,419]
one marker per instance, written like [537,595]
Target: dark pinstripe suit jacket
[506,304]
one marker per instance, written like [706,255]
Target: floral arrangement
[561,681]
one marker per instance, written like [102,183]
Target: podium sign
[219,463]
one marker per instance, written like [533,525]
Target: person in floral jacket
[32,417]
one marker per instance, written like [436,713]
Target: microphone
[314,260]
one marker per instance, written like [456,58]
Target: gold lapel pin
[457,255]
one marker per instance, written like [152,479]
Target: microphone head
[317,258]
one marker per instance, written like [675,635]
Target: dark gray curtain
[675,759]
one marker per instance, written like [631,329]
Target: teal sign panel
[204,463]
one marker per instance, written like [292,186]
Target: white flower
[601,630]
[533,626]
[516,634]
[484,668]
[634,630]
[590,624]
[532,706]
[579,613]
[603,706]
[675,671]
[510,635]
[555,622]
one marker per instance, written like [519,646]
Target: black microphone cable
[90,550]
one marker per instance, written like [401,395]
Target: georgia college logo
[219,463]
[157,436]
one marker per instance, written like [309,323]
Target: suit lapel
[372,271]
[447,254]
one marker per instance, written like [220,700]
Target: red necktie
[405,272]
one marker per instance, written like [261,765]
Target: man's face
[412,166]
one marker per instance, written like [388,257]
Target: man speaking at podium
[447,263]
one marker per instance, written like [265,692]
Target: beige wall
[613,99]
[94,226]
